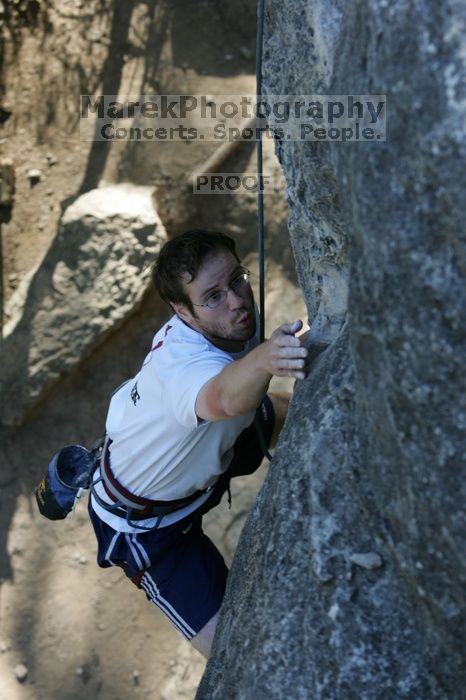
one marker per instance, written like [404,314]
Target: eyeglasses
[237,285]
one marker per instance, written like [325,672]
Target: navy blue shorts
[178,567]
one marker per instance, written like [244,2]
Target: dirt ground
[78,631]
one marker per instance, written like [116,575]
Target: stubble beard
[231,332]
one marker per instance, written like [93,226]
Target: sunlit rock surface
[90,280]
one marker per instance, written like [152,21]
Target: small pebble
[366,560]
[21,673]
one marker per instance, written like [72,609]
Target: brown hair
[185,254]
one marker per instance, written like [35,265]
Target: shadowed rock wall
[350,576]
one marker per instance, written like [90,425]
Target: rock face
[92,278]
[350,576]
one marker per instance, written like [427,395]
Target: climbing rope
[260,176]
[260,201]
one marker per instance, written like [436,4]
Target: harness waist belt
[139,506]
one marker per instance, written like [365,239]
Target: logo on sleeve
[156,346]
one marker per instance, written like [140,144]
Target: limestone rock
[372,455]
[367,560]
[91,279]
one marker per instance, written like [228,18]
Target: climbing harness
[71,473]
[130,506]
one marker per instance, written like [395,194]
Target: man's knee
[203,639]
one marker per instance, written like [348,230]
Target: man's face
[233,322]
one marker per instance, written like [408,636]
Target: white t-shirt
[160,449]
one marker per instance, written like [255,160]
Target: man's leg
[203,639]
[187,584]
[280,401]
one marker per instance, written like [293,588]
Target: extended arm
[240,387]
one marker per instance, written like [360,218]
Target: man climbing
[195,416]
